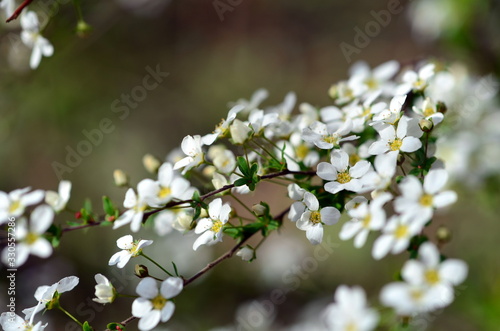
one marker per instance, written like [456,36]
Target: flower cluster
[369,154]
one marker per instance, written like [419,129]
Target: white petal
[130,199]
[360,239]
[171,287]
[41,248]
[326,171]
[41,218]
[359,169]
[67,284]
[435,180]
[334,187]
[382,246]
[315,234]
[141,306]
[413,272]
[340,159]
[350,229]
[203,239]
[411,187]
[203,225]
[453,271]
[167,311]
[410,144]
[214,208]
[378,147]
[330,215]
[311,201]
[147,288]
[444,199]
[429,254]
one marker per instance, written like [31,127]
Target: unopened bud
[141,271]
[441,107]
[120,177]
[259,209]
[83,29]
[443,234]
[246,253]
[151,163]
[426,125]
[333,92]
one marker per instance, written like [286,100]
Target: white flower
[155,305]
[58,200]
[30,239]
[44,294]
[9,6]
[222,128]
[258,120]
[328,136]
[350,311]
[376,79]
[136,205]
[14,203]
[246,253]
[12,322]
[239,131]
[32,38]
[385,169]
[254,102]
[409,299]
[225,161]
[340,175]
[183,220]
[211,227]
[130,248]
[313,218]
[395,236]
[428,110]
[421,200]
[169,186]
[429,269]
[405,138]
[416,81]
[191,146]
[104,290]
[391,115]
[365,218]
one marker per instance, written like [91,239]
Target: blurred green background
[280,45]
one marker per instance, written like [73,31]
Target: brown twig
[19,9]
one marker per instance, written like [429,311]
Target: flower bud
[426,125]
[443,234]
[120,178]
[239,131]
[141,271]
[246,253]
[104,290]
[83,29]
[151,163]
[441,107]
[259,209]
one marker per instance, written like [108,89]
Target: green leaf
[240,182]
[175,269]
[242,165]
[107,205]
[86,327]
[106,223]
[196,197]
[87,205]
[72,223]
[233,232]
[55,233]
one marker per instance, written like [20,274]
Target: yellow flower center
[343,177]
[302,150]
[396,144]
[159,302]
[331,139]
[14,206]
[401,232]
[429,111]
[217,226]
[367,220]
[416,295]
[134,250]
[353,159]
[420,84]
[371,83]
[432,276]
[426,200]
[164,192]
[315,217]
[31,238]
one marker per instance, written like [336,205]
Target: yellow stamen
[159,302]
[315,217]
[164,192]
[432,276]
[401,232]
[343,177]
[217,226]
[396,144]
[367,220]
[426,200]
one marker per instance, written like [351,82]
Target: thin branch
[19,9]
